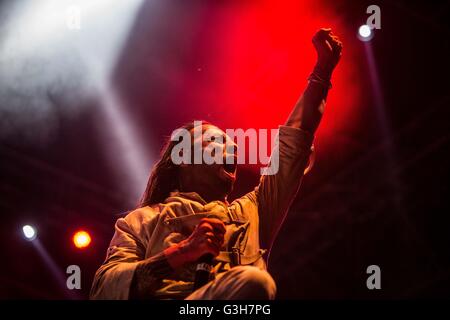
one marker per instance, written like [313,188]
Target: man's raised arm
[276,192]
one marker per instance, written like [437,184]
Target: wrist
[323,70]
[177,255]
[321,74]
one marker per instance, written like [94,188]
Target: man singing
[184,214]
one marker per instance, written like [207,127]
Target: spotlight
[81,239]
[29,232]
[365,33]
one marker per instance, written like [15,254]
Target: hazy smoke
[54,64]
[47,68]
[35,90]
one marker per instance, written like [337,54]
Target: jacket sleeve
[114,278]
[279,185]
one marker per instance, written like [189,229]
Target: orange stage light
[81,239]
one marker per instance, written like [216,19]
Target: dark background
[380,197]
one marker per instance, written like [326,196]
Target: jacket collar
[193,196]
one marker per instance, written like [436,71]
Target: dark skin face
[211,181]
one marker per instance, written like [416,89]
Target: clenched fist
[207,238]
[329,50]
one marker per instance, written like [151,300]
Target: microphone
[203,270]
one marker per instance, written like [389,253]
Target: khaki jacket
[251,221]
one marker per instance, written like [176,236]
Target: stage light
[365,33]
[29,232]
[81,239]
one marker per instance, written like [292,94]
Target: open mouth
[228,171]
[230,167]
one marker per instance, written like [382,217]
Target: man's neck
[207,196]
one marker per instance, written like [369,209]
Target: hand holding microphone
[215,231]
[202,245]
